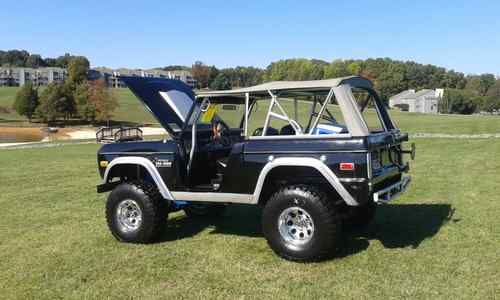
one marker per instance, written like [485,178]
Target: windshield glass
[230,114]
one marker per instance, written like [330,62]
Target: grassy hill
[131,110]
[440,240]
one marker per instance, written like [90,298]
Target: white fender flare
[148,165]
[304,162]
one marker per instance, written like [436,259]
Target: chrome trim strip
[304,162]
[300,136]
[213,197]
[143,153]
[348,180]
[148,165]
[369,165]
[301,152]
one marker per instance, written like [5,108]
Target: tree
[78,69]
[35,61]
[221,82]
[480,83]
[338,68]
[85,109]
[175,68]
[26,101]
[460,101]
[212,74]
[102,99]
[201,73]
[15,58]
[63,61]
[492,100]
[294,69]
[52,102]
[494,90]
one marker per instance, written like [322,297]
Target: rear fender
[309,162]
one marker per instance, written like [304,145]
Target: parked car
[316,155]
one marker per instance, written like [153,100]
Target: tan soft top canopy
[276,86]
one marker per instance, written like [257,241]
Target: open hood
[168,100]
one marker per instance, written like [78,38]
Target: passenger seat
[270,131]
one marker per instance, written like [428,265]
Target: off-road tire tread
[153,205]
[332,229]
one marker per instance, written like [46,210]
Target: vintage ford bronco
[316,155]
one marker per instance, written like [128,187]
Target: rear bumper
[392,192]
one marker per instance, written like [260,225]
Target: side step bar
[392,192]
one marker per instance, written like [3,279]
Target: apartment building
[112,75]
[14,76]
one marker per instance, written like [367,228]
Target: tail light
[345,166]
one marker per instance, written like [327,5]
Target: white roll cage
[339,88]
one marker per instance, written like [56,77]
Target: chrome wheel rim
[129,215]
[296,225]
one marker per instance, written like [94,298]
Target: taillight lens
[346,166]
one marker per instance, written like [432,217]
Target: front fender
[147,165]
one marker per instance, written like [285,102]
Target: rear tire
[301,224]
[136,212]
[197,210]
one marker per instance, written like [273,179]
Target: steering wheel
[220,132]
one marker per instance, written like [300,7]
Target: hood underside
[169,100]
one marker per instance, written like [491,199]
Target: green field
[440,240]
[131,110]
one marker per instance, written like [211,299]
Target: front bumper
[390,193]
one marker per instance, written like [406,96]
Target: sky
[459,35]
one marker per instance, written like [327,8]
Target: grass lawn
[440,240]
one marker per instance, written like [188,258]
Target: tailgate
[386,159]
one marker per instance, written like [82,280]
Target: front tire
[136,212]
[301,224]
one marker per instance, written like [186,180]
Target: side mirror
[205,104]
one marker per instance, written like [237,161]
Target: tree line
[464,94]
[75,98]
[22,58]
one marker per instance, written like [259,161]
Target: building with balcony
[14,76]
[111,76]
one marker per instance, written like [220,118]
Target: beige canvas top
[308,85]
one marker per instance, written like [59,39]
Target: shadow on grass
[395,226]
[243,220]
[399,226]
